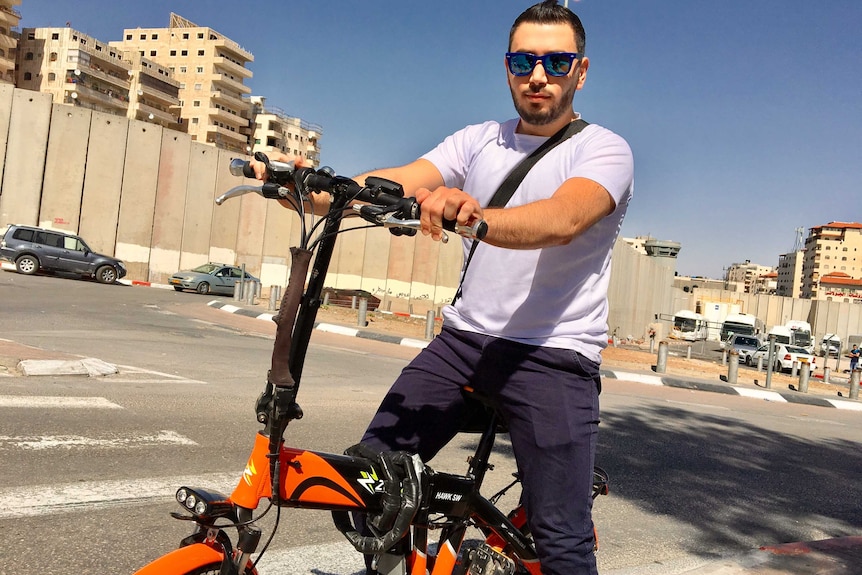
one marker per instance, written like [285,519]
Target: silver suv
[34,249]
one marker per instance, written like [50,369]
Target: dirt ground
[632,356]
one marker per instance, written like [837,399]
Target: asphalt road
[90,465]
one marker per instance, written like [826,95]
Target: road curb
[645,378]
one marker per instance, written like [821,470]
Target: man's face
[539,98]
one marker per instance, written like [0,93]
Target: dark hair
[550,12]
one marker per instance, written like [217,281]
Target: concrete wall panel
[375,264]
[349,257]
[138,197]
[275,265]
[27,145]
[170,205]
[63,186]
[249,242]
[6,93]
[103,182]
[224,228]
[197,221]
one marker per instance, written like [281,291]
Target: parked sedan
[210,278]
[785,357]
[745,346]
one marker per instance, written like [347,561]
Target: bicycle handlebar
[385,204]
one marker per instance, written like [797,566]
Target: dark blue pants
[549,399]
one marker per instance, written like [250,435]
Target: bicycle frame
[298,478]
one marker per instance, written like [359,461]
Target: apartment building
[789,283]
[9,19]
[833,257]
[747,274]
[79,70]
[211,72]
[275,130]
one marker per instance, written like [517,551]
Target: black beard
[543,118]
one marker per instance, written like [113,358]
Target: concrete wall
[145,194]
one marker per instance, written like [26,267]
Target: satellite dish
[150,116]
[77,72]
[74,95]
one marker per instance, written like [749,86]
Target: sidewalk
[838,556]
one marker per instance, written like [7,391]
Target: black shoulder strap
[516,176]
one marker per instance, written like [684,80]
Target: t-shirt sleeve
[606,158]
[454,155]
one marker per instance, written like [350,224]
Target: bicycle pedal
[485,560]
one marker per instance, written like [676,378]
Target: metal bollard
[760,363]
[326,299]
[804,373]
[854,383]
[733,366]
[661,362]
[363,310]
[688,352]
[274,293]
[651,345]
[237,291]
[724,358]
[251,288]
[429,324]
[826,374]
[353,302]
[794,369]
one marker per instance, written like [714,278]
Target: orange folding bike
[402,499]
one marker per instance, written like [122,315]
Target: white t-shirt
[555,296]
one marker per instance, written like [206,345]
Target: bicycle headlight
[203,503]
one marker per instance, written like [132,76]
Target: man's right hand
[260,168]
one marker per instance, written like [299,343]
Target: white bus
[689,326]
[800,334]
[741,323]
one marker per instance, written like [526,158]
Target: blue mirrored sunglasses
[555,64]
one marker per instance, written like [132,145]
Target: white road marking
[57,402]
[37,443]
[129,369]
[36,500]
[638,378]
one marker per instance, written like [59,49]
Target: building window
[52,76]
[28,76]
[197,86]
[28,56]
[143,36]
[184,53]
[200,35]
[182,85]
[196,103]
[201,52]
[183,69]
[152,53]
[199,70]
[195,120]
[128,36]
[154,37]
[55,36]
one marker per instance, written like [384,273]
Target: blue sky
[745,116]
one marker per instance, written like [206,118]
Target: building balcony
[157,95]
[217,133]
[146,110]
[83,95]
[230,99]
[231,46]
[98,73]
[227,117]
[224,64]
[230,83]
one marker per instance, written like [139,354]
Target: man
[531,322]
[855,353]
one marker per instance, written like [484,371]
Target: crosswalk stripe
[38,443]
[50,401]
[36,500]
